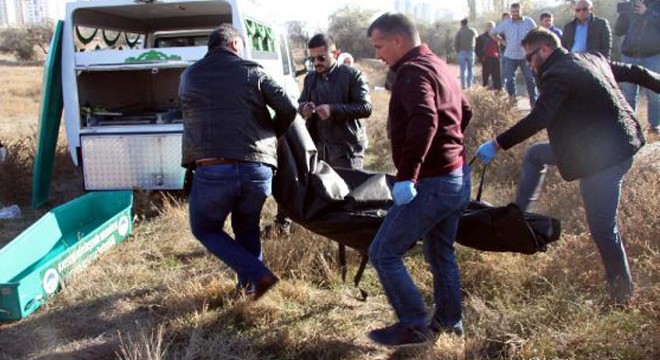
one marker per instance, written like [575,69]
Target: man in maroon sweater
[427,115]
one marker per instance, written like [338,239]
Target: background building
[21,12]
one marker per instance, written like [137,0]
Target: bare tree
[40,35]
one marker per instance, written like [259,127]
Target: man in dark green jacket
[593,135]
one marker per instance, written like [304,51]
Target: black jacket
[225,114]
[599,36]
[642,31]
[349,102]
[590,125]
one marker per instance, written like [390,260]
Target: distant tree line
[348,25]
[24,41]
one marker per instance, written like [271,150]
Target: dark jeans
[239,189]
[510,66]
[432,215]
[600,194]
[490,69]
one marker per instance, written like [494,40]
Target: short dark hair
[394,23]
[541,36]
[222,36]
[545,15]
[506,13]
[319,40]
[515,6]
[464,22]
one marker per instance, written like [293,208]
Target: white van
[121,63]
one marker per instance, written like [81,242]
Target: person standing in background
[346,59]
[464,44]
[515,30]
[587,32]
[502,43]
[546,20]
[641,46]
[488,53]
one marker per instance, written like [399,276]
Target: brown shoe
[263,285]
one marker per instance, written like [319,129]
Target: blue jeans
[465,60]
[631,90]
[600,193]
[240,189]
[509,74]
[432,215]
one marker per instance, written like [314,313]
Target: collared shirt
[580,44]
[321,90]
[515,31]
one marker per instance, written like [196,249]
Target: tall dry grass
[160,295]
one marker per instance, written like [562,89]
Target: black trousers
[491,69]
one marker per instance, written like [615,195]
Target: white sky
[313,11]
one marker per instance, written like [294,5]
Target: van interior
[144,93]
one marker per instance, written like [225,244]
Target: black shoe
[399,335]
[437,328]
[276,229]
[263,285]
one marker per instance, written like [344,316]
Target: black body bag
[348,205]
[505,228]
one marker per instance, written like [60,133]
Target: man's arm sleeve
[277,99]
[552,95]
[305,93]
[621,24]
[359,106]
[637,75]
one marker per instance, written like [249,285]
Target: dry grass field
[160,295]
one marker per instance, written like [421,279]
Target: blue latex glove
[404,192]
[487,151]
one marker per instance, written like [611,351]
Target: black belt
[217,161]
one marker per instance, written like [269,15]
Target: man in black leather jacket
[334,100]
[230,139]
[593,136]
[598,36]
[641,46]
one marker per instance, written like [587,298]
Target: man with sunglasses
[587,32]
[593,136]
[334,101]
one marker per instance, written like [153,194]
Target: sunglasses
[529,56]
[319,58]
[581,9]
